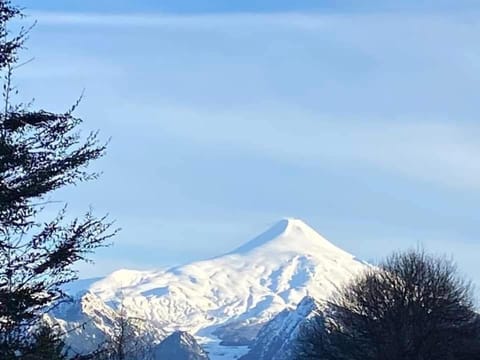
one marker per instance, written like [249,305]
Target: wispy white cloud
[313,21]
[436,151]
[292,19]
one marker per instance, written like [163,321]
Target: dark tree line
[413,307]
[40,152]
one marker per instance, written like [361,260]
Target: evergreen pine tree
[46,345]
[40,152]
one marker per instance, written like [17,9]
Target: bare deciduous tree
[413,307]
[128,340]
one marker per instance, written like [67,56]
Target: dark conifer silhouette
[47,344]
[40,152]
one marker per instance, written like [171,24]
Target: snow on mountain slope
[278,338]
[245,287]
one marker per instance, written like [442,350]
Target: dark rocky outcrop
[180,346]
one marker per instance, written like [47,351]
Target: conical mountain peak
[277,230]
[289,234]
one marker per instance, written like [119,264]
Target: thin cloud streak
[432,152]
[298,20]
[295,20]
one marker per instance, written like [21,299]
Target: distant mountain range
[250,299]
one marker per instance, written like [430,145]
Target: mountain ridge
[240,290]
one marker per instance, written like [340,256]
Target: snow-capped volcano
[238,290]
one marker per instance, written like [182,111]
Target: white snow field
[243,288]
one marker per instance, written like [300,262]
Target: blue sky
[361,120]
[265,6]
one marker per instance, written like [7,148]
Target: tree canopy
[413,307]
[40,152]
